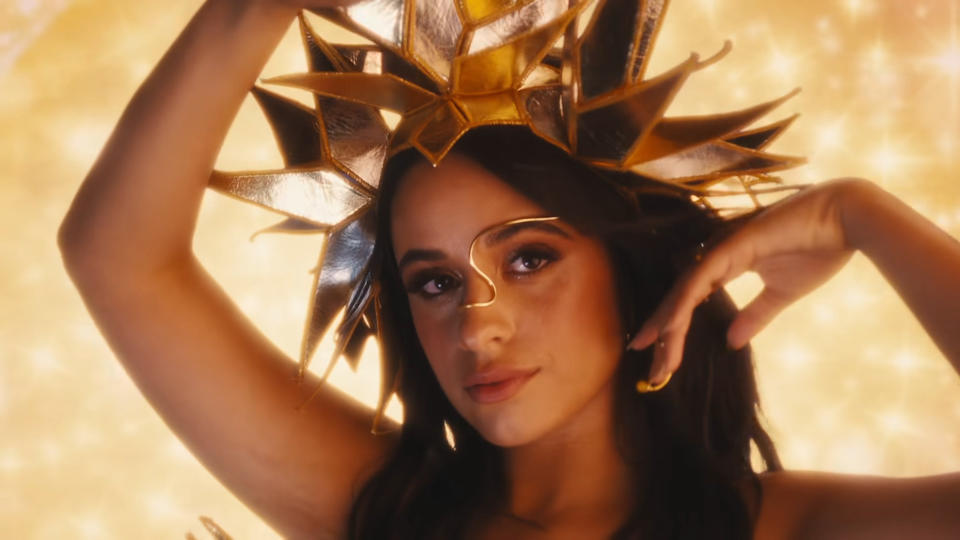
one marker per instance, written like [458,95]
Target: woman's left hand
[795,245]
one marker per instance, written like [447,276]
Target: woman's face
[542,328]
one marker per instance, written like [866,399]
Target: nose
[485,318]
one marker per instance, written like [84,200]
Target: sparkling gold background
[849,381]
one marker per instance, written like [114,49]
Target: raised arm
[920,260]
[794,246]
[221,386]
[800,242]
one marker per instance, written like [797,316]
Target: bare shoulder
[823,505]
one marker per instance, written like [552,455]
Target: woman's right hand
[794,245]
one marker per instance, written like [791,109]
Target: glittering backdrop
[849,381]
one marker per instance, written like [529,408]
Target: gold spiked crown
[447,66]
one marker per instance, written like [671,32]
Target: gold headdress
[447,66]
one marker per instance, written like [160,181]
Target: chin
[506,428]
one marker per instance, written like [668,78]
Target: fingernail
[654,376]
[632,344]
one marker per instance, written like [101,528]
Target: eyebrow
[509,231]
[500,236]
[414,255]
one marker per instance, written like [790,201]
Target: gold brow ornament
[473,262]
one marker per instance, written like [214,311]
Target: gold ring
[644,386]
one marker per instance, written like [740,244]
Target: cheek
[434,334]
[577,318]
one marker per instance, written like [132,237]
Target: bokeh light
[849,381]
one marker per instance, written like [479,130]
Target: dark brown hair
[688,445]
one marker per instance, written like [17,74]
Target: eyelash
[542,254]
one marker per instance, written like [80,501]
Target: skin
[558,316]
[178,334]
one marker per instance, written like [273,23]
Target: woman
[179,336]
[544,309]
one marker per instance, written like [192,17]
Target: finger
[724,263]
[668,356]
[727,261]
[719,267]
[690,289]
[754,317]
[645,337]
[654,326]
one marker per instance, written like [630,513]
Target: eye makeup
[516,250]
[543,254]
[522,261]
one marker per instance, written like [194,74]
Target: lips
[498,384]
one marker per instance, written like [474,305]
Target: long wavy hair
[687,445]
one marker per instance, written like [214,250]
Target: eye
[430,285]
[528,260]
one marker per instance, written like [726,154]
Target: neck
[573,473]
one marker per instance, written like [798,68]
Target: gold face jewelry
[473,261]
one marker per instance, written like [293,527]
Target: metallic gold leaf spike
[700,166]
[607,50]
[389,371]
[211,526]
[474,11]
[383,91]
[343,261]
[320,55]
[440,132]
[607,129]
[410,125]
[295,128]
[371,317]
[374,60]
[354,347]
[434,36]
[761,137]
[356,136]
[498,108]
[672,135]
[381,21]
[744,188]
[322,196]
[352,322]
[388,385]
[542,110]
[652,18]
[290,226]
[505,67]
[359,57]
[762,163]
[513,21]
[542,75]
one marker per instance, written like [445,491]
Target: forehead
[446,206]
